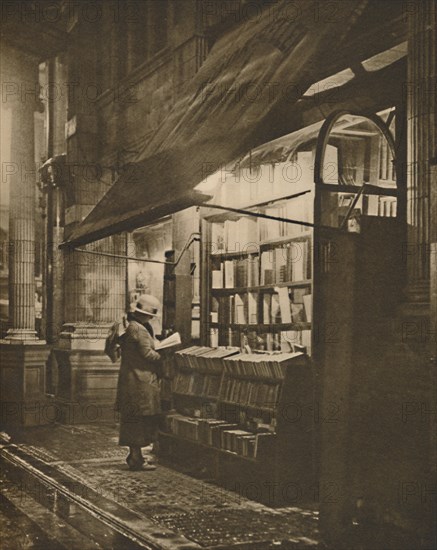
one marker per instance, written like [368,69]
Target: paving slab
[91,463]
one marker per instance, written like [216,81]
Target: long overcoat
[138,389]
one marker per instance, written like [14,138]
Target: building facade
[160,95]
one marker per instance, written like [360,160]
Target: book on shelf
[284,304]
[267,308]
[208,359]
[287,263]
[213,337]
[217,277]
[217,244]
[265,365]
[216,431]
[252,308]
[229,274]
[307,302]
[240,309]
[297,254]
[229,440]
[275,314]
[267,267]
[297,312]
[253,271]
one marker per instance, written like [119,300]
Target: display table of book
[240,414]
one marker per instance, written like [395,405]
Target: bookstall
[280,218]
[239,413]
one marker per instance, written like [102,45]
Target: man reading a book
[138,393]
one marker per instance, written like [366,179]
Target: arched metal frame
[319,187]
[325,132]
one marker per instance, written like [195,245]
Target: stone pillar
[94,285]
[22,210]
[422,190]
[23,356]
[422,141]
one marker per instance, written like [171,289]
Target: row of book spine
[287,263]
[250,393]
[197,384]
[298,209]
[281,308]
[284,340]
[246,233]
[240,309]
[216,433]
[241,272]
[278,307]
[234,235]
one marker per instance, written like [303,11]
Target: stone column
[22,207]
[422,141]
[23,356]
[94,284]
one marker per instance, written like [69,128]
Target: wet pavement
[164,508]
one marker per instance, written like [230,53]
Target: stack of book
[203,358]
[183,426]
[216,433]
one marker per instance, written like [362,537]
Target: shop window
[150,243]
[260,223]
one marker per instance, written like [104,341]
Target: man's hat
[147,304]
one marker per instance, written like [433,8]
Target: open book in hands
[171,341]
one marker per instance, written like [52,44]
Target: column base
[23,399]
[87,379]
[21,335]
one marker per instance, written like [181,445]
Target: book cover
[284,304]
[217,277]
[308,306]
[171,341]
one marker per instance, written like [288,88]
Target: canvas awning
[239,99]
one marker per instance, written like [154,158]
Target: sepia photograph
[218,274]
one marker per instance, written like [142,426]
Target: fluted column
[422,141]
[22,182]
[22,355]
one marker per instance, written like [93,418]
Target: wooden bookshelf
[244,420]
[256,273]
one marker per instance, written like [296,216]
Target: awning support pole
[121,256]
[193,237]
[267,216]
